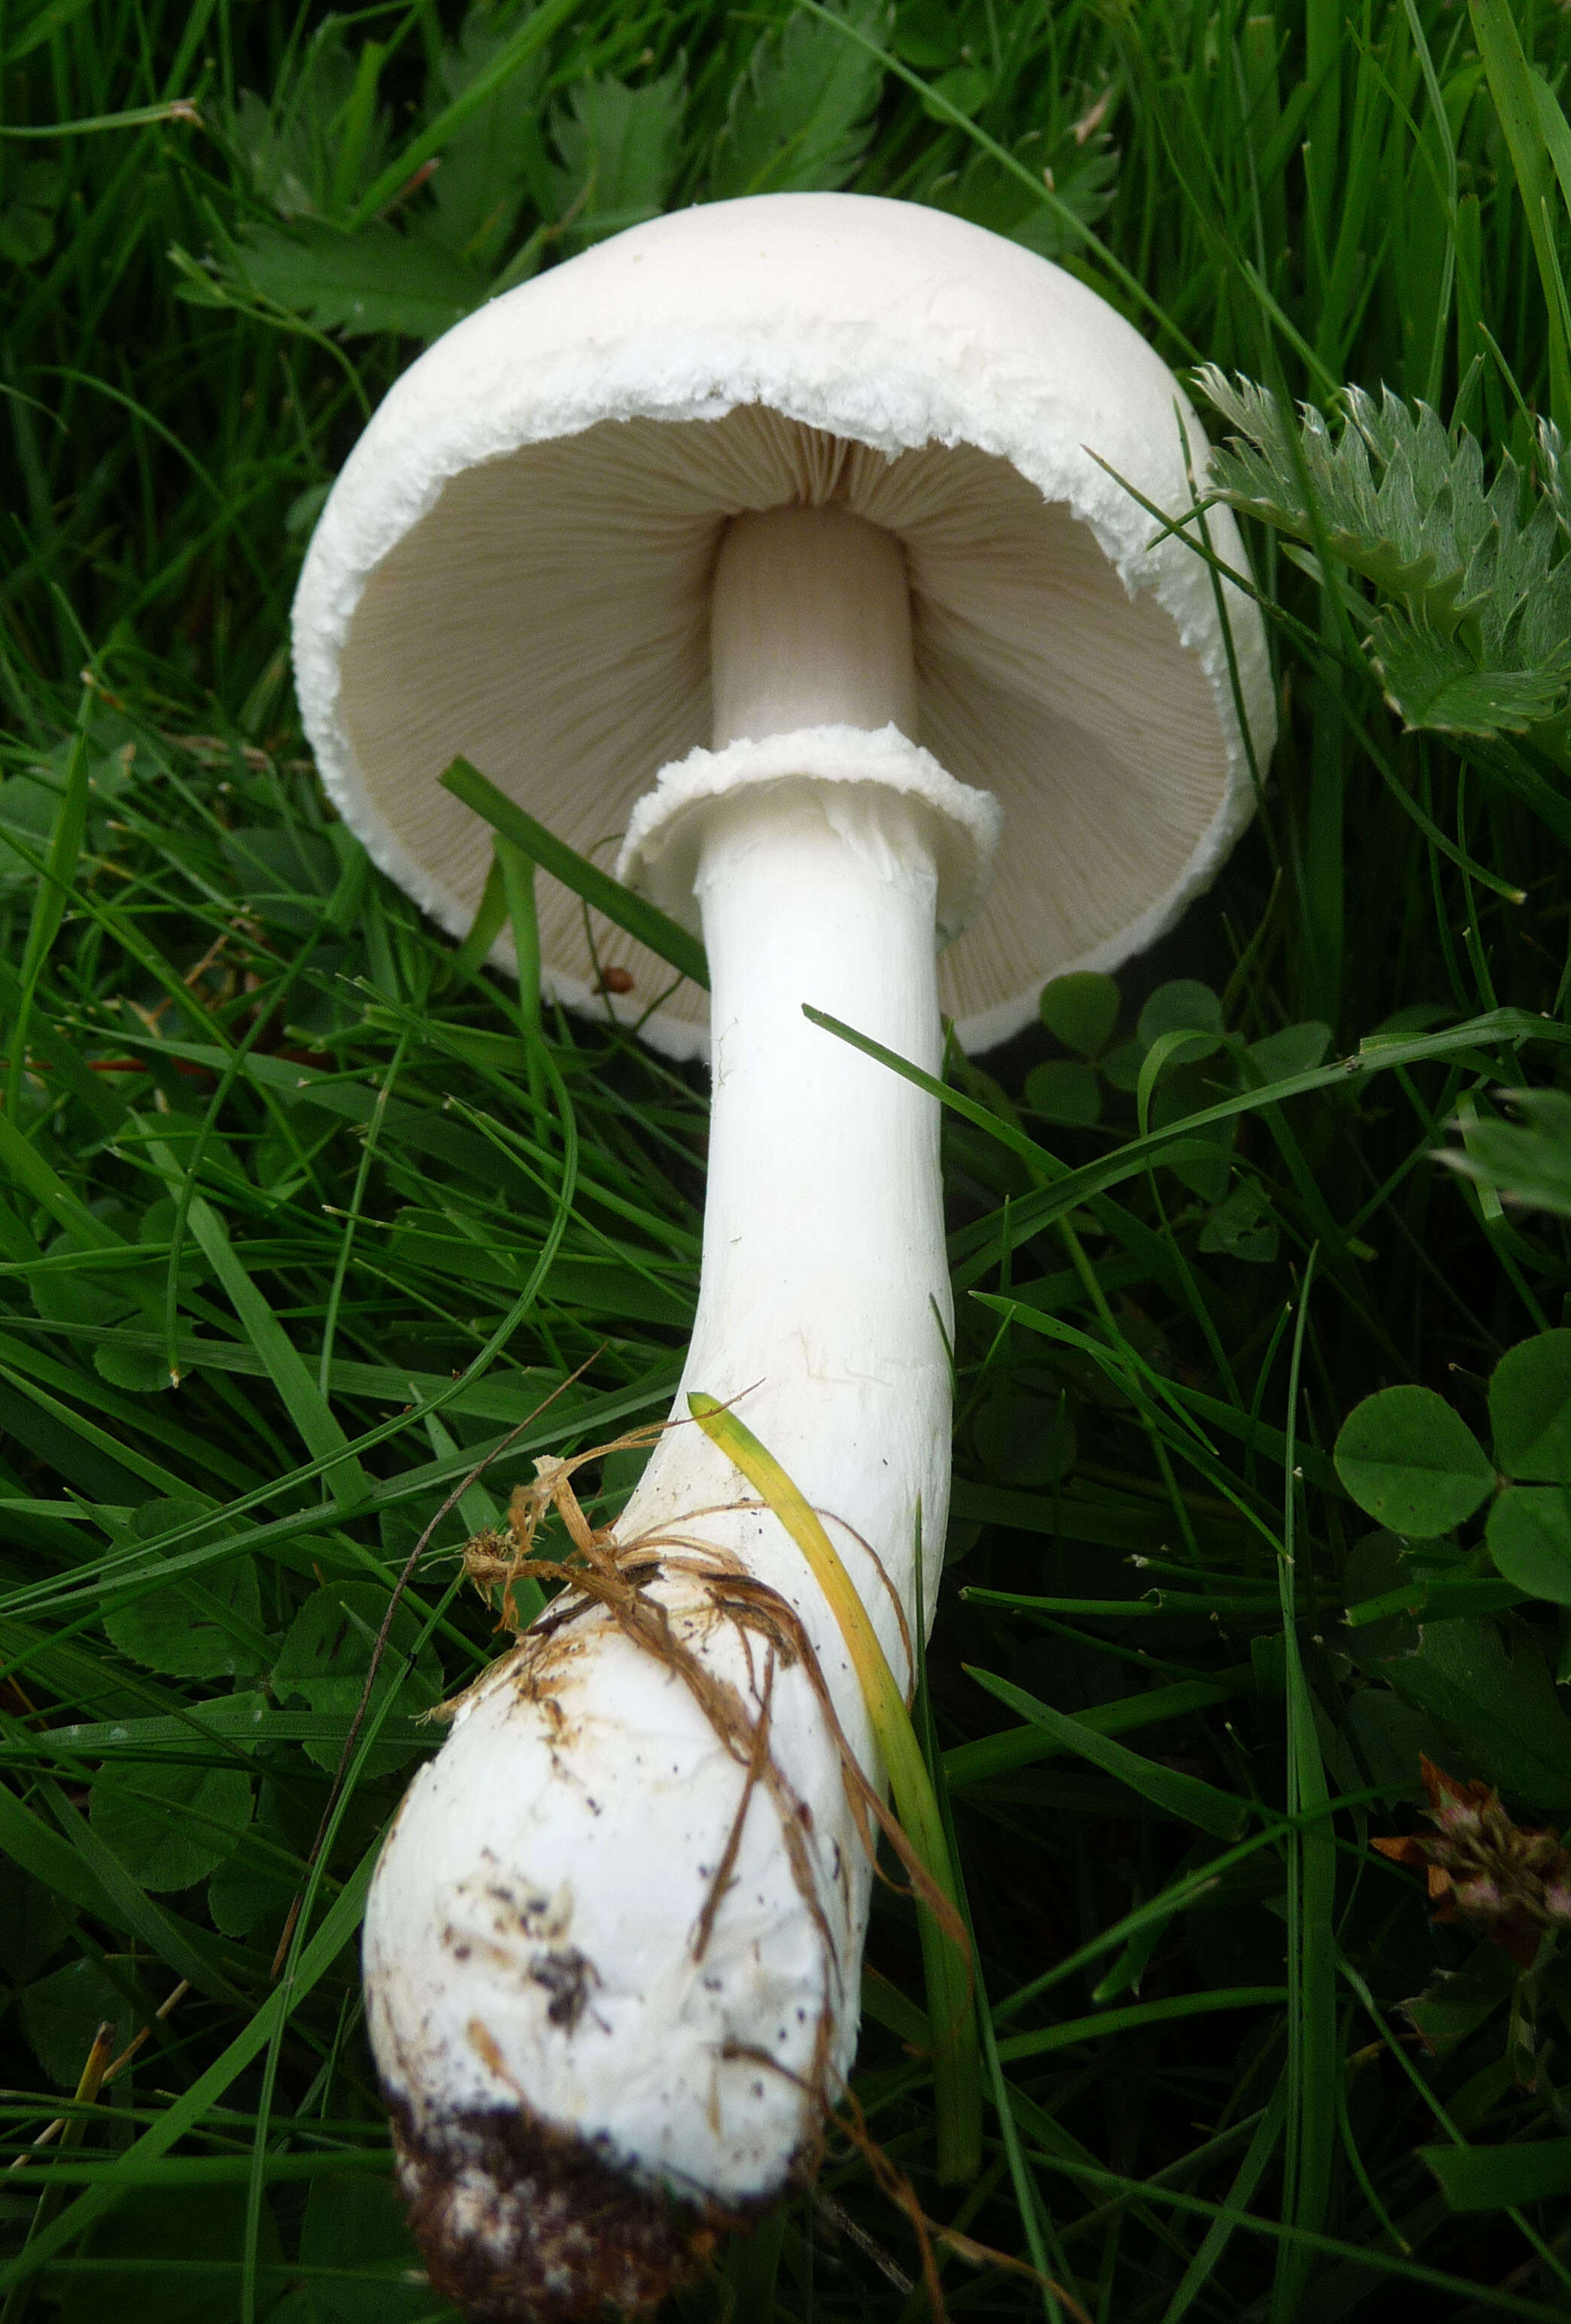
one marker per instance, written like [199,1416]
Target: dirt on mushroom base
[522,2222]
[522,2218]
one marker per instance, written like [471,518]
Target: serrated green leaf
[800,115]
[618,148]
[1475,641]
[309,148]
[496,153]
[377,279]
[1433,681]
[171,1825]
[328,1652]
[1242,1226]
[1377,524]
[209,1629]
[1555,473]
[1076,170]
[512,59]
[1413,1462]
[1499,1707]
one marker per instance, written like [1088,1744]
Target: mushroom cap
[516,564]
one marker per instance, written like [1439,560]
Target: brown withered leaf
[1509,1881]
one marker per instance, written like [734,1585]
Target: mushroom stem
[824,1302]
[614,1944]
[809,625]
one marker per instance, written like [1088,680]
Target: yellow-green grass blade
[951,2015]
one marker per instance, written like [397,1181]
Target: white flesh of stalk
[531,1936]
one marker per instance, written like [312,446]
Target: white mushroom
[790,499]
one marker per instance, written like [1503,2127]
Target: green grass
[264,1131]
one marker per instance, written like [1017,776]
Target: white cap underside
[515,564]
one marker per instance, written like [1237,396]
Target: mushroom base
[612,1946]
[521,2221]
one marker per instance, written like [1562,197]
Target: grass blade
[49,903]
[1511,84]
[951,2008]
[308,1407]
[646,921]
[1174,1794]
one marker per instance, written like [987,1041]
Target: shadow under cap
[543,607]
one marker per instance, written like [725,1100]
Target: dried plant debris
[1510,1881]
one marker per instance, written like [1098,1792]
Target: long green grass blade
[646,921]
[1512,87]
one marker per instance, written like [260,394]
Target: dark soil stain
[524,2223]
